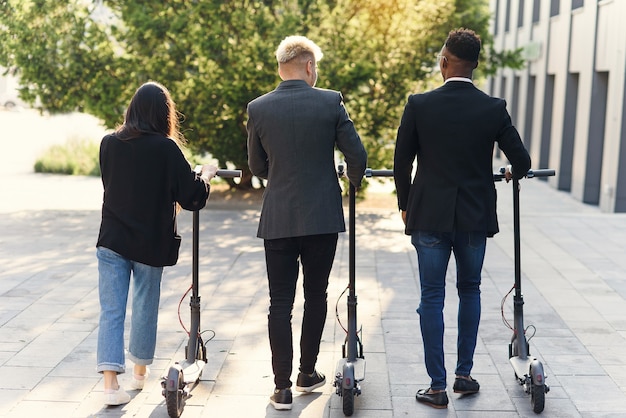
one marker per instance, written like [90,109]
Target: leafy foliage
[215,56]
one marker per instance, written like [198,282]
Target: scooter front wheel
[537,398]
[538,387]
[174,391]
[347,396]
[348,385]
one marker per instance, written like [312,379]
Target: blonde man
[292,134]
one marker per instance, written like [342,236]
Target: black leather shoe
[465,386]
[437,400]
[309,382]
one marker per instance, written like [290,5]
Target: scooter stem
[352,300]
[518,299]
[191,354]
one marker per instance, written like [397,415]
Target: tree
[215,56]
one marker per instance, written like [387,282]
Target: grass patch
[76,157]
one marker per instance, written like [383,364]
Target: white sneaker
[137,384]
[116,397]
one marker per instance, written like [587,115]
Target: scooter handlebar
[341,171]
[221,172]
[543,172]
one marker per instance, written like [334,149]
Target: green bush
[77,157]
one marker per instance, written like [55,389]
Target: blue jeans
[433,255]
[317,253]
[114,283]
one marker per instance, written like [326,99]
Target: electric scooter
[350,369]
[528,369]
[182,376]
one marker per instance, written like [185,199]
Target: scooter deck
[359,368]
[192,371]
[522,366]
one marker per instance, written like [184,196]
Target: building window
[520,14]
[564,181]
[515,100]
[497,18]
[530,105]
[507,16]
[595,137]
[536,10]
[555,6]
[546,123]
[577,4]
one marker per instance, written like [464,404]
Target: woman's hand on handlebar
[208,172]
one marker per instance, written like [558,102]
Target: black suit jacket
[451,132]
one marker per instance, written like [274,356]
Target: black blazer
[143,178]
[451,132]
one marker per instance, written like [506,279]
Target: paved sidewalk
[573,280]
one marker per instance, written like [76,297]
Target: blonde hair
[293,47]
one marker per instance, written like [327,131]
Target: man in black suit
[450,206]
[292,134]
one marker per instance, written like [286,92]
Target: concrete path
[573,267]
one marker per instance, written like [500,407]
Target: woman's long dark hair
[151,110]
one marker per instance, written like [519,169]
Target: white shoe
[116,397]
[137,384]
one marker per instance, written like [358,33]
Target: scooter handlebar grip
[378,173]
[228,173]
[545,172]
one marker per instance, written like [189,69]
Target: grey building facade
[569,101]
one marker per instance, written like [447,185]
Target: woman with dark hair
[146,179]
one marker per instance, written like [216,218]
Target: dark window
[564,181]
[520,14]
[577,4]
[536,10]
[515,100]
[507,16]
[497,18]
[546,123]
[530,105]
[555,6]
[595,138]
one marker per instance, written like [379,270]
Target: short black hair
[464,44]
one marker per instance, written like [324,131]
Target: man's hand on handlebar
[508,174]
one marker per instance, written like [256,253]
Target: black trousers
[282,257]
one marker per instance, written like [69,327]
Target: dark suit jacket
[292,134]
[451,131]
